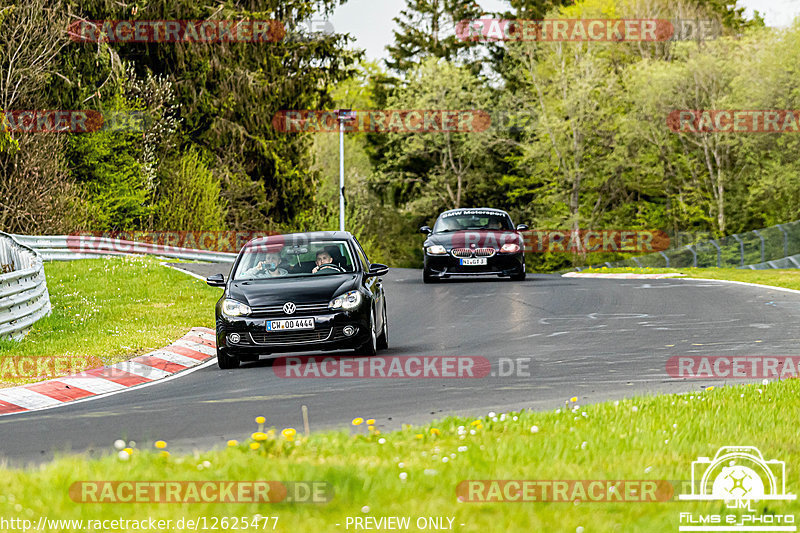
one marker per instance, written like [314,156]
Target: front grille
[302,309]
[475,252]
[291,337]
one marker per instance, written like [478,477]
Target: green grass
[109,310]
[649,438]
[789,278]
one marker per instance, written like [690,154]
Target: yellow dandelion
[259,436]
[710,388]
[254,446]
[474,422]
[289,433]
[163,453]
[358,421]
[129,450]
[160,444]
[260,420]
[233,442]
[419,435]
[371,422]
[435,431]
[574,399]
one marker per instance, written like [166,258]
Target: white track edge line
[759,285]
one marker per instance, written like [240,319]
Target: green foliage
[427,30]
[189,195]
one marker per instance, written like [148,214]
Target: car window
[361,254]
[266,262]
[472,221]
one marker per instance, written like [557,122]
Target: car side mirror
[377,269]
[522,227]
[217,280]
[426,230]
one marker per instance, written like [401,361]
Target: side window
[361,255]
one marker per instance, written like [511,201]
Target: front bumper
[328,333]
[445,266]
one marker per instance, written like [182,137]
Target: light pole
[344,115]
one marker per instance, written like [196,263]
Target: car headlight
[509,248]
[347,301]
[234,308]
[437,249]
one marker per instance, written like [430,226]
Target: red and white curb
[618,275]
[193,349]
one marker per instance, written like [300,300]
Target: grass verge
[789,278]
[415,472]
[105,311]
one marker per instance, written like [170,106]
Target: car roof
[304,238]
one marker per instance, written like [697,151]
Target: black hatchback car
[300,292]
[473,242]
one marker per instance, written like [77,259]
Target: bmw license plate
[473,261]
[290,323]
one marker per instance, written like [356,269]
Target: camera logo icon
[738,475]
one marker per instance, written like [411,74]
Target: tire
[227,361]
[427,278]
[383,338]
[520,276]
[370,347]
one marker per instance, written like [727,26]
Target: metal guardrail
[23,288]
[70,247]
[773,247]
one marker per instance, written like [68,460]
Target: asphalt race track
[596,339]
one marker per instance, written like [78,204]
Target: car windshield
[316,258]
[478,220]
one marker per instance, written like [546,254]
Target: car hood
[480,238]
[300,290]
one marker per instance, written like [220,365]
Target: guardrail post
[785,240]
[719,252]
[741,247]
[666,259]
[692,249]
[762,243]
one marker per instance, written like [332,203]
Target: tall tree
[427,28]
[228,92]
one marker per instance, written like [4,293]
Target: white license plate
[472,261]
[290,323]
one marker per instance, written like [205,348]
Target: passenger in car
[267,268]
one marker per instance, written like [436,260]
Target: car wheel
[427,278]
[520,276]
[383,338]
[226,360]
[370,347]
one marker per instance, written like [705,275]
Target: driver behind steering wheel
[325,263]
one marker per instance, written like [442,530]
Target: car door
[374,285]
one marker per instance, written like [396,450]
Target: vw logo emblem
[289,308]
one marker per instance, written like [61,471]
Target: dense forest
[580,135]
